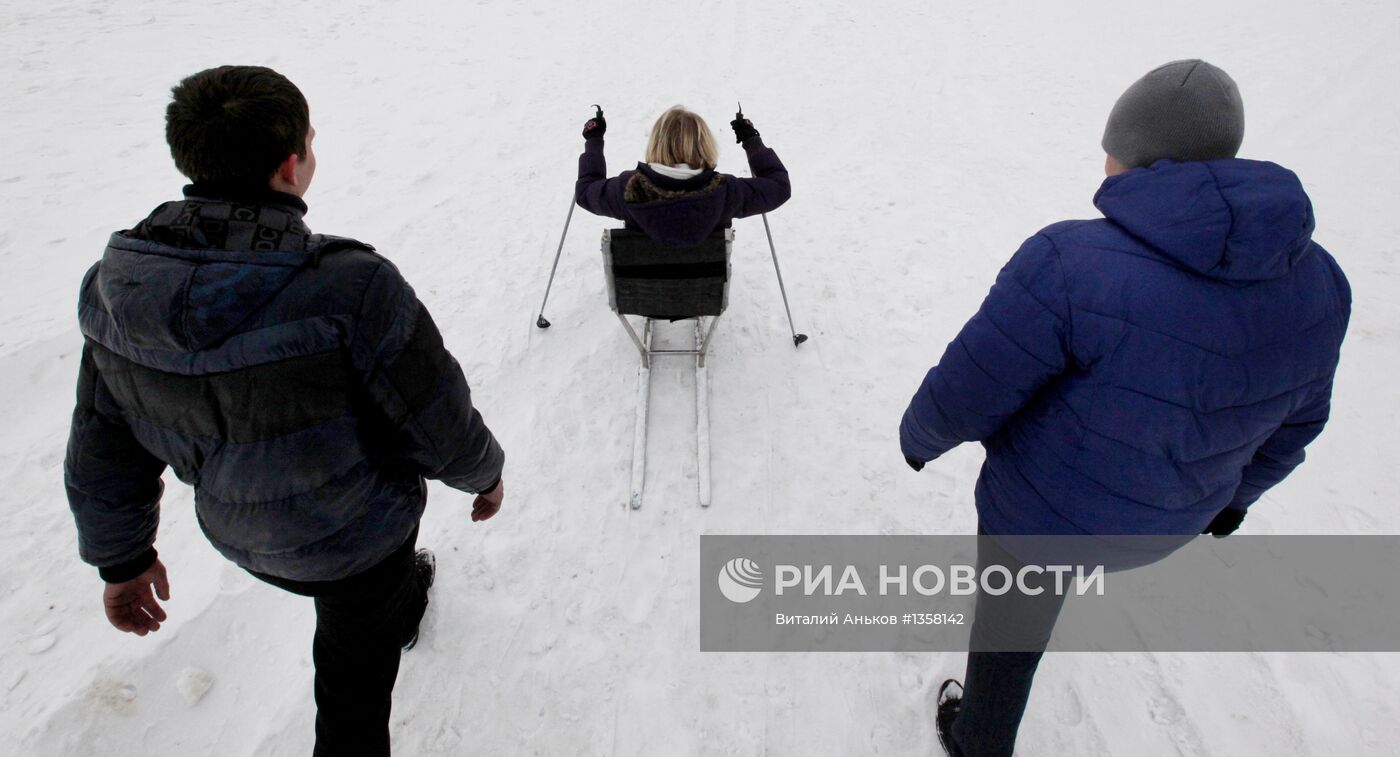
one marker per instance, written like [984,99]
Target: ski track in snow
[926,141]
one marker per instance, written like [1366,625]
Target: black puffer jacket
[293,379]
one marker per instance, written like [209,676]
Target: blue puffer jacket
[1138,373]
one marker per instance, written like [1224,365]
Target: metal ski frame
[702,405]
[542,322]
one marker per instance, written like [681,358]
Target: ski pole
[541,322]
[797,339]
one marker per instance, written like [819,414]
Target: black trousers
[997,683]
[362,623]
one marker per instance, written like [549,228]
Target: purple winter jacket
[680,212]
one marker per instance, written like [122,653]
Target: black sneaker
[425,565]
[949,705]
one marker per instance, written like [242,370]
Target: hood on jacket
[168,298]
[191,273]
[675,213]
[1234,220]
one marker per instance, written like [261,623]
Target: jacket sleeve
[769,188]
[594,191]
[113,483]
[419,388]
[1283,450]
[1016,343]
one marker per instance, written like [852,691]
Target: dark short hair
[235,124]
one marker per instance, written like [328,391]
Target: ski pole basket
[658,282]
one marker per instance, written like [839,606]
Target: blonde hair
[681,137]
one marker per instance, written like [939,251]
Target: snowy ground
[925,141]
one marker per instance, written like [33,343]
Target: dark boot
[949,705]
[425,565]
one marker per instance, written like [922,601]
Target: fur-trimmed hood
[678,212]
[641,188]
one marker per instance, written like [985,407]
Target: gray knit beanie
[1186,110]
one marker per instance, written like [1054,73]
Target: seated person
[676,197]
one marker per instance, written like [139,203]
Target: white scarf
[681,172]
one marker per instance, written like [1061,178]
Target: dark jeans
[998,683]
[362,623]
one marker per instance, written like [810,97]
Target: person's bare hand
[487,505]
[131,606]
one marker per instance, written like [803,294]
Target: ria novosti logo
[740,580]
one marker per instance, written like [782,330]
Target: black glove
[743,129]
[1225,523]
[596,125]
[915,464]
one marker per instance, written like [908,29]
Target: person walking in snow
[293,379]
[676,197]
[1151,372]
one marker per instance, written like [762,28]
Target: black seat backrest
[649,279]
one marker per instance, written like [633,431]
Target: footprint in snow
[911,680]
[1069,708]
[193,684]
[1164,710]
[42,643]
[111,695]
